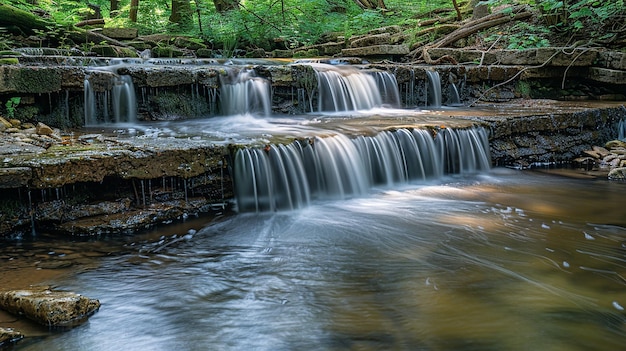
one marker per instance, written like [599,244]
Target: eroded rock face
[49,307]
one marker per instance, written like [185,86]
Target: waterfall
[621,129]
[286,177]
[455,98]
[91,116]
[433,97]
[121,100]
[346,88]
[243,92]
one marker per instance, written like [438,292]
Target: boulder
[4,124]
[43,129]
[48,307]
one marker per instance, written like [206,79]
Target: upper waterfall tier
[346,88]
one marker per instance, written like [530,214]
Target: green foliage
[11,106]
[525,36]
[584,19]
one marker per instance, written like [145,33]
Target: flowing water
[384,240]
[504,260]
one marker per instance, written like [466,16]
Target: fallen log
[466,31]
[91,22]
[516,13]
[80,35]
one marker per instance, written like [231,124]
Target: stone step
[606,75]
[377,50]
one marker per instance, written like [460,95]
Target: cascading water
[121,101]
[433,98]
[346,88]
[621,129]
[243,92]
[287,177]
[455,97]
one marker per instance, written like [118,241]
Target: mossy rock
[166,51]
[205,53]
[255,53]
[104,50]
[140,45]
[282,53]
[126,52]
[189,44]
[9,61]
[307,53]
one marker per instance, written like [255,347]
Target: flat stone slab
[377,50]
[613,59]
[553,57]
[607,75]
[120,33]
[15,177]
[48,307]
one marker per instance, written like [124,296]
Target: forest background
[288,24]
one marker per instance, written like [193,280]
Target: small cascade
[114,106]
[243,92]
[621,129]
[346,88]
[455,98]
[286,177]
[123,100]
[433,97]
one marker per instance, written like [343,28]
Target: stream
[502,260]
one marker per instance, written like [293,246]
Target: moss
[45,80]
[523,89]
[9,61]
[307,53]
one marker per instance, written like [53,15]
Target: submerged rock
[8,335]
[48,307]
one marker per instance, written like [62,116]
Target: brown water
[505,261]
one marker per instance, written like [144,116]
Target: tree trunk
[26,22]
[114,7]
[371,4]
[134,6]
[225,5]
[181,12]
[458,11]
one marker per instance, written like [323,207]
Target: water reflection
[507,261]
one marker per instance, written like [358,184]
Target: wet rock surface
[9,335]
[93,184]
[49,307]
[609,160]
